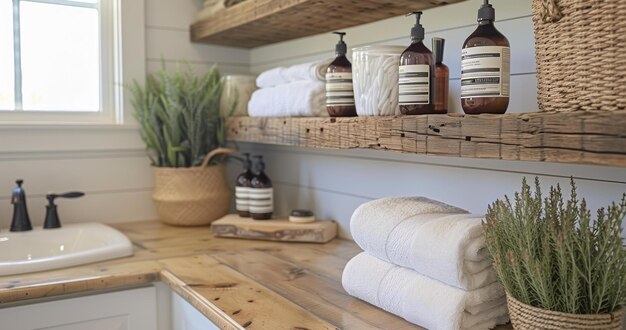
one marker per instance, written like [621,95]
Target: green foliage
[179,115]
[550,253]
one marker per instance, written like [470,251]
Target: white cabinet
[122,310]
[187,317]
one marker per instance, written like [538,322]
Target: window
[58,59]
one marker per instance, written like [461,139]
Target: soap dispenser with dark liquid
[339,91]
[242,188]
[261,193]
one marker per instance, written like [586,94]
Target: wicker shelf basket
[581,62]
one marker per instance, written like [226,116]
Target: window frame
[111,79]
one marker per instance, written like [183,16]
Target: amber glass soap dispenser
[261,193]
[416,71]
[485,67]
[242,188]
[339,92]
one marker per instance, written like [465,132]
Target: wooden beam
[597,138]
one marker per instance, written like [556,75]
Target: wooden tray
[232,225]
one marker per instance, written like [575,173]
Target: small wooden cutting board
[232,225]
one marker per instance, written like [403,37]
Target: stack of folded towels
[425,261]
[295,91]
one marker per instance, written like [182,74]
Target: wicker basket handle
[550,11]
[215,152]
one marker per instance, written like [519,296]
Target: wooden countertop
[235,283]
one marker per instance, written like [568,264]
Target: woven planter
[192,196]
[581,62]
[526,317]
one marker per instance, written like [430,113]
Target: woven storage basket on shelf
[525,317]
[581,54]
[192,196]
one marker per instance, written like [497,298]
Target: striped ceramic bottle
[261,193]
[242,188]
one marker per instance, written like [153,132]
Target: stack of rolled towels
[295,91]
[425,261]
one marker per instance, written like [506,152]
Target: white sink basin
[70,245]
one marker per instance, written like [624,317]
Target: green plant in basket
[179,114]
[549,253]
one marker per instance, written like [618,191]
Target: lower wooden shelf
[578,137]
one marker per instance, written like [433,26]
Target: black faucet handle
[52,216]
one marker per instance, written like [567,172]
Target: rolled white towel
[421,300]
[313,71]
[437,240]
[297,99]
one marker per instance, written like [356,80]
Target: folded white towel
[298,99]
[421,300]
[435,239]
[314,71]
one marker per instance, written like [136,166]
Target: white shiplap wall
[107,162]
[334,183]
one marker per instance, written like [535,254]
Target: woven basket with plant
[560,268]
[181,126]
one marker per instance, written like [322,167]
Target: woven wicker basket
[525,317]
[193,196]
[581,58]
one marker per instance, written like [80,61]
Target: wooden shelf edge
[597,138]
[254,23]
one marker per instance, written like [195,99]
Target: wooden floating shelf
[254,23]
[578,137]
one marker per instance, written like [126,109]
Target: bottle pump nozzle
[417,31]
[260,166]
[341,48]
[247,163]
[486,12]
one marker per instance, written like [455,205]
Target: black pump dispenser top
[247,163]
[486,12]
[260,165]
[417,31]
[341,48]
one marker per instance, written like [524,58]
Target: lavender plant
[550,253]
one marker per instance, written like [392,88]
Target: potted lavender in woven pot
[181,126]
[561,268]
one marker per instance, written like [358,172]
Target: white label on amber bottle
[414,84]
[261,200]
[242,198]
[485,72]
[339,89]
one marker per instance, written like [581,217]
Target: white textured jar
[237,88]
[375,79]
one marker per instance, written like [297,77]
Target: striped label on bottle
[485,72]
[339,89]
[414,84]
[242,198]
[261,200]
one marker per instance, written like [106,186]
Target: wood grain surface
[237,284]
[255,23]
[234,226]
[578,137]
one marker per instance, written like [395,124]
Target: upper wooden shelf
[254,23]
[578,137]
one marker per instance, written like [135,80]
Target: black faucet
[21,221]
[52,217]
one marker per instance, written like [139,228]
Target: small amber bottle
[442,76]
[242,188]
[485,67]
[416,71]
[261,193]
[339,92]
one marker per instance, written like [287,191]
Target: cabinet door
[187,317]
[123,310]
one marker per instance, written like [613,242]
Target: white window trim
[123,57]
